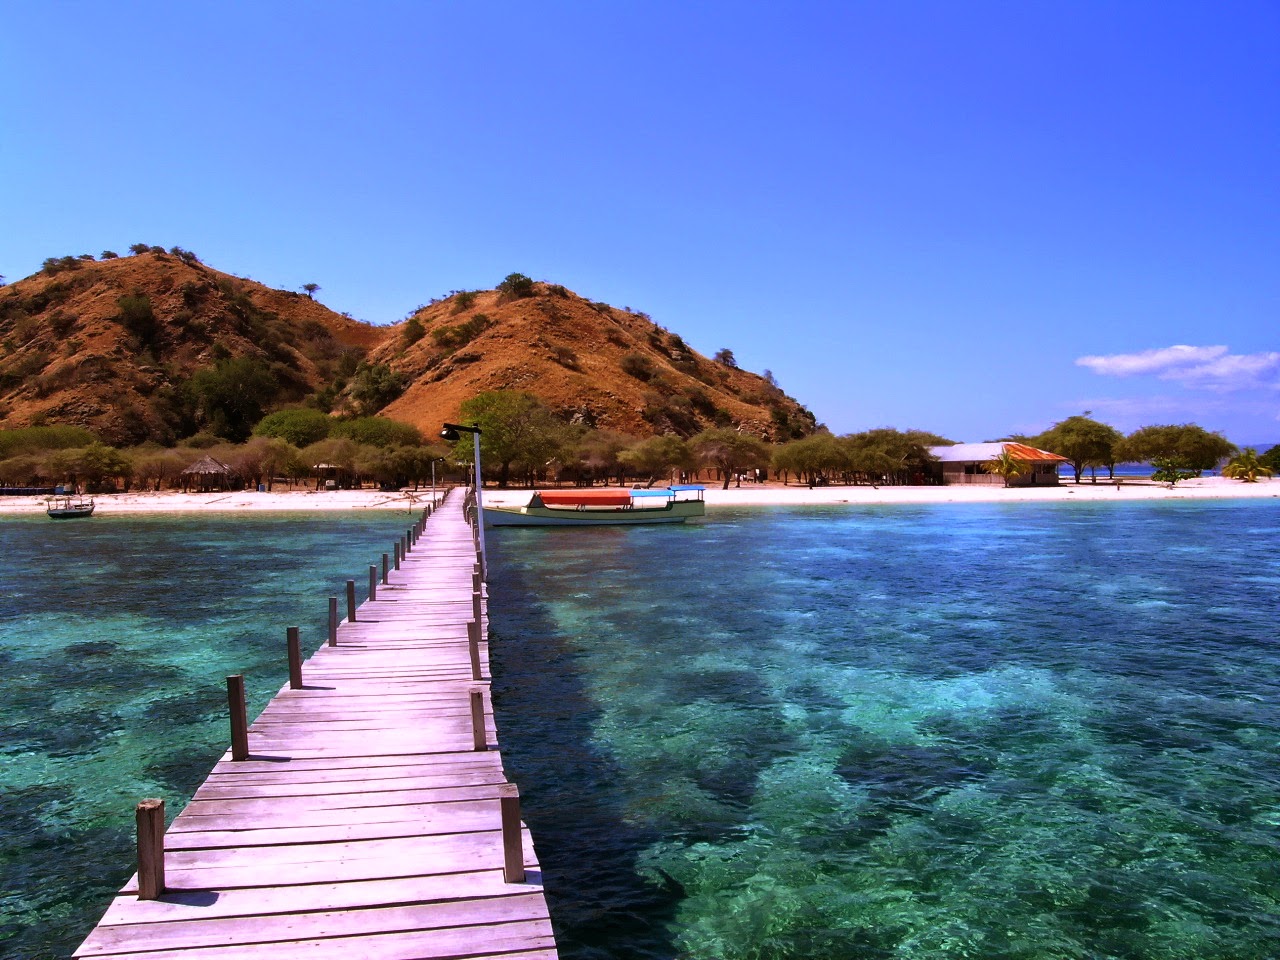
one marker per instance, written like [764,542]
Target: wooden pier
[367,819]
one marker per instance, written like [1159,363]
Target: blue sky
[974,218]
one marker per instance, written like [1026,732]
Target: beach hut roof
[979,452]
[207,465]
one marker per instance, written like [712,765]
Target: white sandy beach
[749,494]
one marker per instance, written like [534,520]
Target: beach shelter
[966,463]
[207,474]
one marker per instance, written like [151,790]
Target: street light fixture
[434,461]
[450,433]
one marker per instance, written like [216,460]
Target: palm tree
[1006,465]
[1245,466]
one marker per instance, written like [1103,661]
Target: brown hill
[108,344]
[592,363]
[112,345]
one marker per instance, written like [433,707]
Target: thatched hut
[208,474]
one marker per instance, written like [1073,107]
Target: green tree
[98,463]
[1271,459]
[726,357]
[299,426]
[816,458]
[1006,465]
[137,316]
[1170,471]
[413,332]
[516,429]
[1246,466]
[1083,441]
[516,286]
[378,432]
[597,454]
[374,386]
[886,455]
[311,289]
[136,248]
[1188,445]
[230,397]
[658,455]
[729,451]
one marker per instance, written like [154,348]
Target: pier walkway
[364,823]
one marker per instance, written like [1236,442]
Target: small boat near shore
[588,508]
[66,508]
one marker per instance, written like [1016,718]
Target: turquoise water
[116,636]
[1023,731]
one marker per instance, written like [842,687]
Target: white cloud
[1210,368]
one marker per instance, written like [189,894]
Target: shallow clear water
[116,635]
[1040,731]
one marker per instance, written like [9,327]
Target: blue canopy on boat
[660,492]
[688,486]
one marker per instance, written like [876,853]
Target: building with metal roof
[965,463]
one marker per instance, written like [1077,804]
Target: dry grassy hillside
[592,363]
[125,347]
[107,344]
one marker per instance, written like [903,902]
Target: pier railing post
[395,554]
[479,739]
[512,845]
[239,722]
[351,601]
[333,621]
[295,658]
[386,564]
[475,605]
[150,817]
[473,645]
[373,581]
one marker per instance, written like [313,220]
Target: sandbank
[747,495]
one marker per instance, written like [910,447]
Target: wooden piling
[395,554]
[295,658]
[473,645]
[239,721]
[478,737]
[475,605]
[512,845]
[333,621]
[351,601]
[386,565]
[373,581]
[149,815]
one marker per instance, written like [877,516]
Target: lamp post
[434,461]
[450,433]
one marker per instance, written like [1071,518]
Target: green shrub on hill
[299,426]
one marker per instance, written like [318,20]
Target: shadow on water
[601,908]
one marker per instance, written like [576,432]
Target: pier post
[475,581]
[475,605]
[351,601]
[333,621]
[386,564]
[239,722]
[404,547]
[373,581]
[295,659]
[150,817]
[512,846]
[395,554]
[473,644]
[478,738]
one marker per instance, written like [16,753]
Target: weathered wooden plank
[311,897]
[512,941]
[284,928]
[363,823]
